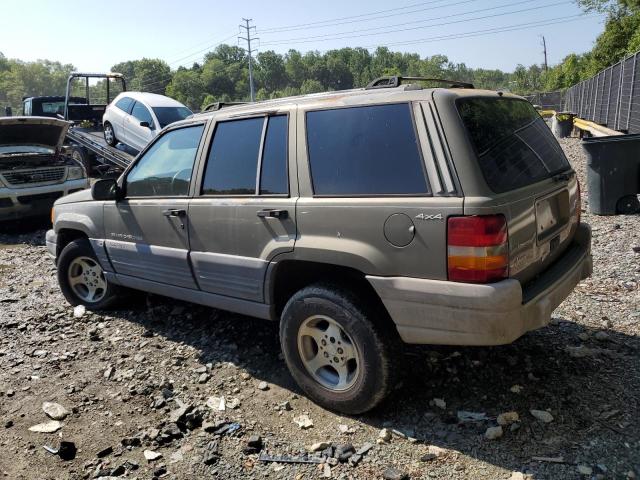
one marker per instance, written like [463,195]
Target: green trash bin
[613,174]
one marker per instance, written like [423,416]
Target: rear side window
[124,104]
[365,151]
[515,147]
[274,178]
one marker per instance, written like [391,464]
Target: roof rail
[395,81]
[212,107]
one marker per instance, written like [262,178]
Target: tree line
[223,75]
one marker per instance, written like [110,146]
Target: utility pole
[247,39]
[544,46]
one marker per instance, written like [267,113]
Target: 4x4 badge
[423,216]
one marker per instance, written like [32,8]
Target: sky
[93,37]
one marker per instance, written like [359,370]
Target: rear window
[365,151]
[515,147]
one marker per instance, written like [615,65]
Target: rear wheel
[81,156]
[82,279]
[110,135]
[628,205]
[337,350]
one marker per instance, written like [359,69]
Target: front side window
[165,169]
[142,113]
[124,104]
[168,115]
[369,150]
[234,157]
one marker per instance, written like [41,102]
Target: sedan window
[165,169]
[168,115]
[124,104]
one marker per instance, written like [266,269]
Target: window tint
[514,145]
[274,178]
[165,169]
[167,115]
[365,151]
[142,113]
[233,158]
[124,104]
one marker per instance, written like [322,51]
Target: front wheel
[82,279]
[336,350]
[628,205]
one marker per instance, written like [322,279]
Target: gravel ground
[147,381]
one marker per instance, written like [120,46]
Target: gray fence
[610,98]
[547,100]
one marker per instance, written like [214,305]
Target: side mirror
[105,189]
[145,124]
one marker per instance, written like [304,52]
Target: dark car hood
[33,131]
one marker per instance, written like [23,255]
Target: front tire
[82,279]
[337,350]
[110,135]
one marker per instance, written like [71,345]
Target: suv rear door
[509,163]
[243,213]
[370,199]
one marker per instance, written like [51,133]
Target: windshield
[4,150]
[167,115]
[515,147]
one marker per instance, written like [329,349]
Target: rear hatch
[515,167]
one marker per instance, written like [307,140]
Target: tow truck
[85,139]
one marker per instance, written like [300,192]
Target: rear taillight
[478,248]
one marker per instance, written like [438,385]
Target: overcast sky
[95,36]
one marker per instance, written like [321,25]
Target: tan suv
[358,219]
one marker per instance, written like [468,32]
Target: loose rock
[51,426]
[542,415]
[493,433]
[55,411]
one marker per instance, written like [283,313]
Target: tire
[77,259]
[312,309]
[110,138]
[628,205]
[81,156]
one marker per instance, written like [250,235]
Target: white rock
[217,403]
[516,389]
[51,426]
[542,415]
[384,436]
[507,418]
[263,386]
[318,446]
[493,433]
[150,455]
[440,403]
[79,311]
[584,470]
[55,411]
[233,403]
[326,471]
[303,421]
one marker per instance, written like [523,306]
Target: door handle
[273,213]
[174,213]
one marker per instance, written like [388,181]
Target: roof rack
[212,107]
[395,81]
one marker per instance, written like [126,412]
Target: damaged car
[34,170]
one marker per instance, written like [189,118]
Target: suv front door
[147,233]
[243,214]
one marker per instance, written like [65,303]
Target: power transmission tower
[544,46]
[248,39]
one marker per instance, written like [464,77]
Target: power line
[247,28]
[301,26]
[347,35]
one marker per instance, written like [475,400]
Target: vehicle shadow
[588,380]
[28,231]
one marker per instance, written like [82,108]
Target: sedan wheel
[109,135]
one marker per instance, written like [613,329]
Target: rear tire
[110,135]
[628,205]
[81,156]
[81,277]
[337,350]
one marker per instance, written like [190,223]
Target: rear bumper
[19,203]
[448,313]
